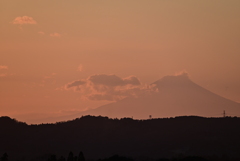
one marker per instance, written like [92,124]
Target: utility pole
[224,113]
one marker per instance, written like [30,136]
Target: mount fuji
[176,96]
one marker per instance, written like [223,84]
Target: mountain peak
[174,95]
[174,80]
[180,77]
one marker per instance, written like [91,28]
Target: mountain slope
[177,95]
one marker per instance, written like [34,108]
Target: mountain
[101,137]
[176,96]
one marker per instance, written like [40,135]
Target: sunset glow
[59,58]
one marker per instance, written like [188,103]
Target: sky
[50,48]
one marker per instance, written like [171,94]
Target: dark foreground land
[180,138]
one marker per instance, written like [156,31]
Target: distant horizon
[60,58]
[144,91]
[99,116]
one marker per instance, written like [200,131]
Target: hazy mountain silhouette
[101,137]
[176,96]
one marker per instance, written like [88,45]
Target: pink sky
[45,45]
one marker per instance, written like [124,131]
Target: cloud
[3,67]
[75,83]
[132,80]
[24,20]
[3,75]
[41,33]
[108,80]
[55,34]
[108,87]
[182,73]
[113,80]
[50,76]
[80,68]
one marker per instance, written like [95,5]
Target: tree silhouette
[75,158]
[62,159]
[4,157]
[70,156]
[118,158]
[81,156]
[52,158]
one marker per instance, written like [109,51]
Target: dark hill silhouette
[101,137]
[177,95]
[7,122]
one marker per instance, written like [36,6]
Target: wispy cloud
[24,20]
[3,75]
[80,68]
[75,84]
[108,87]
[183,72]
[48,79]
[55,34]
[3,67]
[41,33]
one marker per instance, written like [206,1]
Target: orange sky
[45,45]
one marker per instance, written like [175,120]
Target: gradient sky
[47,44]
